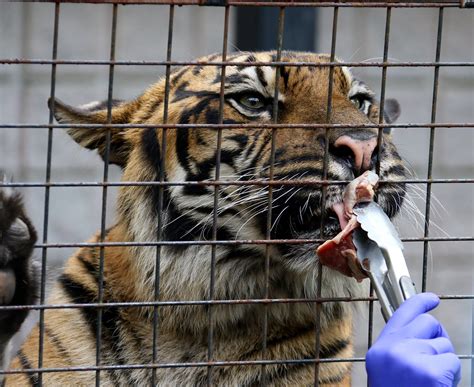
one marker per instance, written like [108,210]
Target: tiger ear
[96,138]
[391,112]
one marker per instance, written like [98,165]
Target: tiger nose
[358,152]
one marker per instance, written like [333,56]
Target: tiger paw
[17,280]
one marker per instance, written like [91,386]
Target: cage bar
[160,183]
[44,252]
[431,150]
[162,167]
[290,3]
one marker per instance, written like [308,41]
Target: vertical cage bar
[268,226]
[105,178]
[318,307]
[388,18]
[431,150]
[162,176]
[472,340]
[210,321]
[44,255]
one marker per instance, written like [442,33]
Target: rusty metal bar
[201,364]
[233,242]
[268,225]
[234,363]
[210,337]
[448,125]
[105,178]
[161,177]
[270,3]
[139,304]
[44,253]
[318,306]
[302,182]
[431,151]
[15,61]
[379,153]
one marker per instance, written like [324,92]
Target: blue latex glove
[413,349]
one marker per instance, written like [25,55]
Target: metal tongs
[380,251]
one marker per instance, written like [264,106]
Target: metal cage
[105,183]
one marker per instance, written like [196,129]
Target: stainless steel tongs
[380,251]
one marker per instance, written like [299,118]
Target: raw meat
[339,253]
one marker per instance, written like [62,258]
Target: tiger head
[245,154]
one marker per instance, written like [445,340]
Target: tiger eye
[357,102]
[252,101]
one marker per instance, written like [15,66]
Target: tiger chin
[129,270]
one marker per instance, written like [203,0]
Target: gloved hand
[413,349]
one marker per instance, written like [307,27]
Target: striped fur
[129,272]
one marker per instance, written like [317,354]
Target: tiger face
[243,154]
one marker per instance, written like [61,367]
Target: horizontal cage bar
[291,3]
[16,61]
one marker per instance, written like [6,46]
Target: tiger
[271,344]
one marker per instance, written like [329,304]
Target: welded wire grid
[322,184]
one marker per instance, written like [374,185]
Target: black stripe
[196,190]
[178,229]
[261,77]
[182,141]
[285,75]
[153,107]
[237,78]
[196,110]
[25,364]
[151,149]
[182,93]
[213,57]
[250,59]
[110,325]
[197,69]
[209,210]
[306,173]
[181,146]
[331,350]
[241,253]
[257,155]
[241,139]
[254,140]
[218,77]
[212,116]
[333,379]
[89,266]
[177,76]
[397,169]
[286,370]
[296,159]
[57,343]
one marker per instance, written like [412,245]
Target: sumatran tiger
[239,273]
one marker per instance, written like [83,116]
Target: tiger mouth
[331,224]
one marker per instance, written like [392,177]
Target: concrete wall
[26,31]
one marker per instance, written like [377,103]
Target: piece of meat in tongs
[339,253]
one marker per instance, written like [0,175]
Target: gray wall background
[26,32]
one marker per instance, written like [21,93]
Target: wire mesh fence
[161,184]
